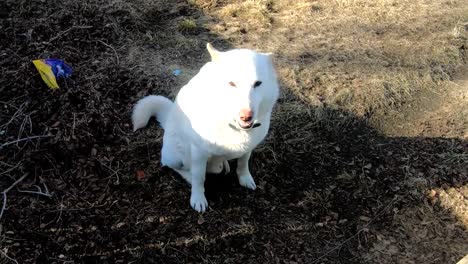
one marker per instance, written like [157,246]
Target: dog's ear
[214,53]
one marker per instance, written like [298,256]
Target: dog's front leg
[199,160]
[243,173]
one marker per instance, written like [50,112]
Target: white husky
[223,113]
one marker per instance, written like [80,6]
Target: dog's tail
[153,105]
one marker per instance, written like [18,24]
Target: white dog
[223,113]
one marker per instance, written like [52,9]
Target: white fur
[152,105]
[198,137]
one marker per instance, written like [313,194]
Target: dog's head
[248,82]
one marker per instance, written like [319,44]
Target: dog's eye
[257,83]
[232,84]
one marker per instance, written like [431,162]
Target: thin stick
[39,192]
[4,204]
[8,165]
[7,190]
[358,232]
[61,211]
[7,103]
[15,183]
[109,46]
[21,130]
[22,139]
[45,187]
[10,169]
[74,125]
[6,256]
[68,30]
[116,173]
[16,114]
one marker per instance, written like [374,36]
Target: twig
[115,172]
[7,103]
[6,256]
[23,126]
[39,192]
[8,165]
[50,161]
[61,211]
[22,139]
[16,114]
[15,183]
[81,209]
[358,232]
[74,125]
[4,204]
[109,46]
[11,168]
[68,30]
[7,190]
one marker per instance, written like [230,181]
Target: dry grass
[367,57]
[187,24]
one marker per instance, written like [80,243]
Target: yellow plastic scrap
[46,73]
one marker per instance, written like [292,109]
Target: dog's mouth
[242,125]
[245,125]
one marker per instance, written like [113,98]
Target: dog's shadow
[218,184]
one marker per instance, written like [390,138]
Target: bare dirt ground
[434,113]
[366,161]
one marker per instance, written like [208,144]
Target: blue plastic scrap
[60,68]
[177,72]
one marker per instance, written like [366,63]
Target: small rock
[364,218]
[201,221]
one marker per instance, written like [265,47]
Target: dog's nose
[246,115]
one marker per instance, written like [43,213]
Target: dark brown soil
[334,191]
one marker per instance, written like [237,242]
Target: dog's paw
[199,202]
[247,181]
[227,168]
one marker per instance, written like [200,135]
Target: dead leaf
[140,175]
[56,124]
